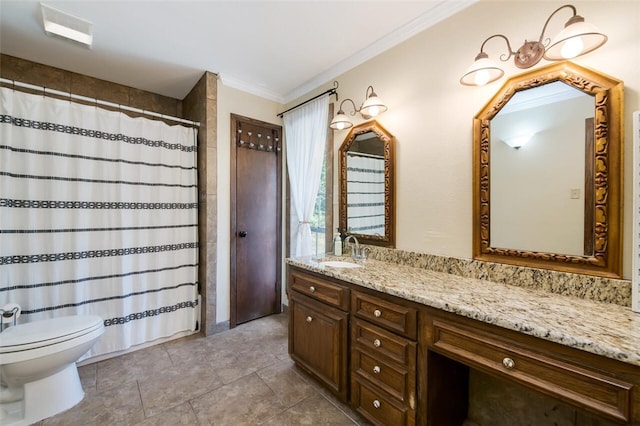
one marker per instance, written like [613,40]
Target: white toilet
[38,373]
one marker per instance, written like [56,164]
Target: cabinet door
[318,341]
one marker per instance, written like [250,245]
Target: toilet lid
[47,332]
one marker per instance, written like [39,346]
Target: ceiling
[278,50]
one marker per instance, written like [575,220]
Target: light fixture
[518,142]
[577,38]
[60,24]
[371,107]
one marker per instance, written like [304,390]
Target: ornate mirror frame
[606,259]
[388,239]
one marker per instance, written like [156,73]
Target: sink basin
[340,264]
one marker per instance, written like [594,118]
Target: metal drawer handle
[312,289]
[508,363]
[376,403]
[309,319]
[376,369]
[377,343]
[377,313]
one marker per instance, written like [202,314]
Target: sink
[340,264]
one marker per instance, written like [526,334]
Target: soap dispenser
[337,244]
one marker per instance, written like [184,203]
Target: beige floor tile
[289,387]
[176,385]
[247,401]
[180,415]
[120,406]
[314,410]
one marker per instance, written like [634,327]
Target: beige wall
[430,113]
[232,101]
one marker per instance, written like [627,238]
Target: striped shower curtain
[365,193]
[98,215]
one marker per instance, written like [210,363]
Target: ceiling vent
[69,27]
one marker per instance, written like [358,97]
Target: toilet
[38,373]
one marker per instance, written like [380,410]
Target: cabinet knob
[377,343]
[309,319]
[508,363]
[312,289]
[376,369]
[376,403]
[377,313]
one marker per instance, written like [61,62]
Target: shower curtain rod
[97,101]
[332,91]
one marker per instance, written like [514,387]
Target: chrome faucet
[356,251]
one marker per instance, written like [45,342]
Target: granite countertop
[604,329]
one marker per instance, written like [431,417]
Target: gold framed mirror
[554,203]
[366,185]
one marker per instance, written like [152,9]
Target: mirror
[366,200]
[547,172]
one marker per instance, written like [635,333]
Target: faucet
[356,251]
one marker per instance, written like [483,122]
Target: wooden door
[256,161]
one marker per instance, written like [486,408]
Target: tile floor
[242,376]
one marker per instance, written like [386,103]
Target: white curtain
[365,193]
[305,131]
[98,215]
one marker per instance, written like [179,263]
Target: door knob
[242,234]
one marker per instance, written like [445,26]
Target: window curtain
[305,131]
[98,215]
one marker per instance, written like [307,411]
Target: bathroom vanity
[397,343]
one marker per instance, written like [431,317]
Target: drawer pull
[376,369]
[508,363]
[377,343]
[312,289]
[309,319]
[377,313]
[376,403]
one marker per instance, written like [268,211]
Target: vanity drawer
[577,384]
[381,343]
[396,380]
[319,289]
[395,317]
[378,407]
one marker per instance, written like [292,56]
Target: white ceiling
[275,49]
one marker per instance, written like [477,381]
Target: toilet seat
[38,334]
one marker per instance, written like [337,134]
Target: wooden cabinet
[401,363]
[319,330]
[596,384]
[383,359]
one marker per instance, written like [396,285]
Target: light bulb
[481,78]
[340,126]
[572,48]
[373,111]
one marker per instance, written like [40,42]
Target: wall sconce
[577,38]
[517,142]
[371,107]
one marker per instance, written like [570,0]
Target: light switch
[575,193]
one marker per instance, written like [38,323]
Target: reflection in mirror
[366,185]
[540,144]
[547,172]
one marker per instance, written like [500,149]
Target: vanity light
[371,107]
[60,24]
[577,38]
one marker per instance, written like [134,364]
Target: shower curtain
[365,193]
[98,215]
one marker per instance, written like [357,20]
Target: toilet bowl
[38,373]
